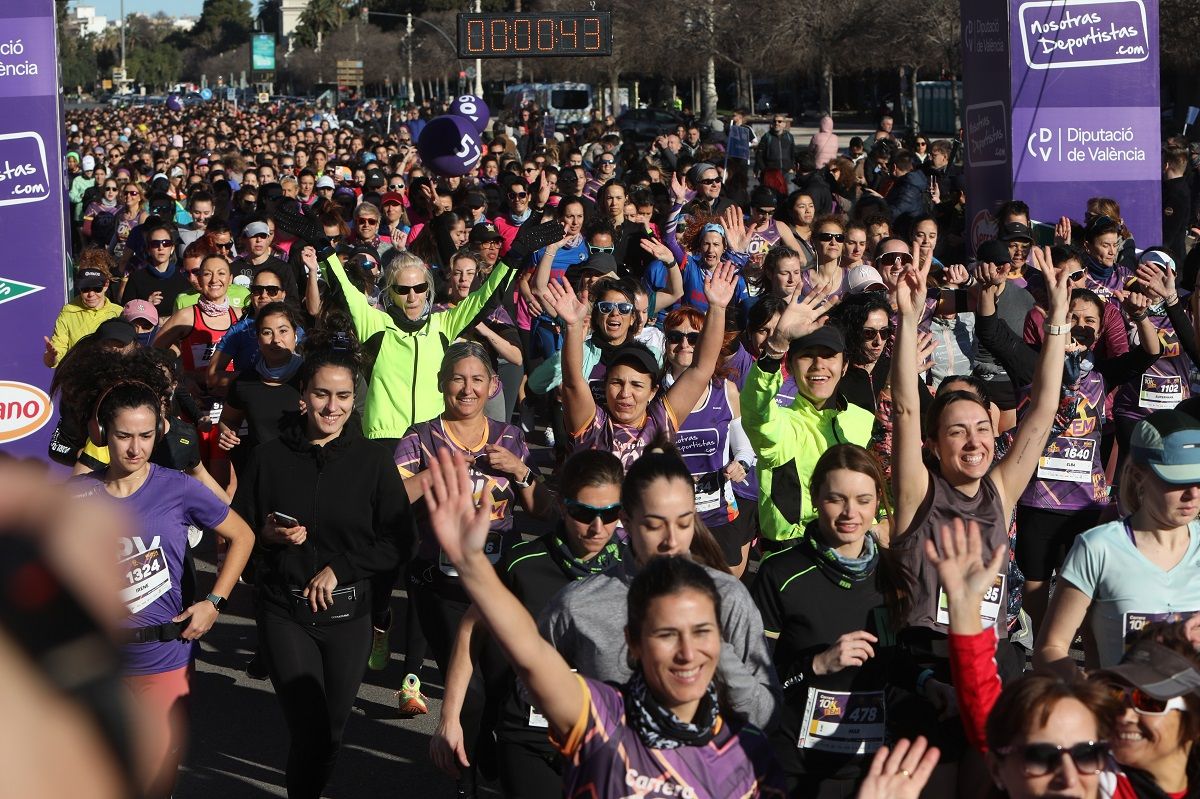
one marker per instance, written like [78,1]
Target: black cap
[117,330]
[89,279]
[1158,670]
[375,181]
[637,355]
[1099,225]
[1016,231]
[484,232]
[763,197]
[825,336]
[363,249]
[993,251]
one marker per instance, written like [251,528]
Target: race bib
[1136,622]
[203,353]
[1159,393]
[1068,459]
[844,723]
[146,579]
[708,491]
[537,720]
[494,548]
[989,607]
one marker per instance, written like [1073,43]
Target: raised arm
[462,530]
[911,480]
[687,390]
[579,406]
[1017,469]
[674,287]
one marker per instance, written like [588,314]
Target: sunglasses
[404,291]
[1039,760]
[396,187]
[529,170]
[518,195]
[594,250]
[1077,275]
[902,258]
[225,245]
[110,188]
[678,337]
[365,220]
[872,333]
[711,182]
[586,514]
[270,291]
[765,211]
[623,308]
[828,237]
[132,193]
[159,244]
[606,163]
[1143,703]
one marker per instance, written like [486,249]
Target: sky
[175,8]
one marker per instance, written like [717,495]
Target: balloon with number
[474,109]
[174,102]
[450,146]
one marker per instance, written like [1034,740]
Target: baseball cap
[864,278]
[117,330]
[638,356]
[89,163]
[993,251]
[256,229]
[1099,225]
[391,197]
[483,232]
[763,197]
[827,336]
[140,309]
[89,279]
[375,181]
[1158,670]
[1016,231]
[1160,258]
[1168,443]
[325,182]
[601,263]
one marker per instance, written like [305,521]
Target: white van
[566,102]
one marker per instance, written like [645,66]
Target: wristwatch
[1057,330]
[527,481]
[217,601]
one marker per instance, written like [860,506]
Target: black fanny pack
[348,602]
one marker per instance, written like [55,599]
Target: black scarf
[577,569]
[659,728]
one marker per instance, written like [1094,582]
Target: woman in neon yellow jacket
[410,341]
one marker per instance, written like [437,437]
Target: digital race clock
[581,33]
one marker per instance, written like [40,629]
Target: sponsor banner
[32,214]
[1060,144]
[1084,33]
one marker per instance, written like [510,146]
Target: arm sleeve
[1124,367]
[1113,332]
[394,531]
[460,316]
[408,456]
[976,682]
[1017,357]
[202,507]
[739,443]
[765,593]
[745,666]
[761,417]
[60,338]
[1182,324]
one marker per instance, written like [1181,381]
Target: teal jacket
[404,389]
[788,443]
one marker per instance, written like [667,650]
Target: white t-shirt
[1127,590]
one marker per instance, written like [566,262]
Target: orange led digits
[520,35]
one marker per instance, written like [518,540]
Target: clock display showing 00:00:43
[584,33]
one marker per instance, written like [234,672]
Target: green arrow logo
[11,289]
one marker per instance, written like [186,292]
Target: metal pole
[478,64]
[408,38]
[123,35]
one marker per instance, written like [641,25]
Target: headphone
[96,431]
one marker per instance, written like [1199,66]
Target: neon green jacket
[403,388]
[788,443]
[76,320]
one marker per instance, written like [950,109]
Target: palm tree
[319,18]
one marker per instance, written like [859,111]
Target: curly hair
[851,316]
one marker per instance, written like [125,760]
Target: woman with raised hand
[634,417]
[664,729]
[963,479]
[582,544]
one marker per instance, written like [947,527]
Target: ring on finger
[906,773]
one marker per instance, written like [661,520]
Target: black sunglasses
[586,514]
[1041,759]
[404,291]
[828,237]
[270,291]
[160,244]
[678,337]
[711,182]
[872,333]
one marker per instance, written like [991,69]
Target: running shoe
[380,652]
[257,667]
[409,698]
[550,437]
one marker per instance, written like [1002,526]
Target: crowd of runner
[704,476]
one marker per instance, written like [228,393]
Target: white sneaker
[549,436]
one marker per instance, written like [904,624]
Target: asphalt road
[239,740]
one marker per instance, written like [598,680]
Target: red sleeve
[1032,332]
[1113,334]
[976,682]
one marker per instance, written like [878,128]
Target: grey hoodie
[585,622]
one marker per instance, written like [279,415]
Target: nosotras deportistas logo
[24,177]
[24,409]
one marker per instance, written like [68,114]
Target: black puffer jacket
[348,495]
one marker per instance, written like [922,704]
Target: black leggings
[528,772]
[1045,536]
[316,672]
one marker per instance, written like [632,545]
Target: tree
[320,18]
[223,24]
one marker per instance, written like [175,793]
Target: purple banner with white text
[32,220]
[986,128]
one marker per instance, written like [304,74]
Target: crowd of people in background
[702,475]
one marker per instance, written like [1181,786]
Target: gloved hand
[305,228]
[531,238]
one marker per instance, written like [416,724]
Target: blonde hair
[406,260]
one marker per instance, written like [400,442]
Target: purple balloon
[174,102]
[474,109]
[450,146]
